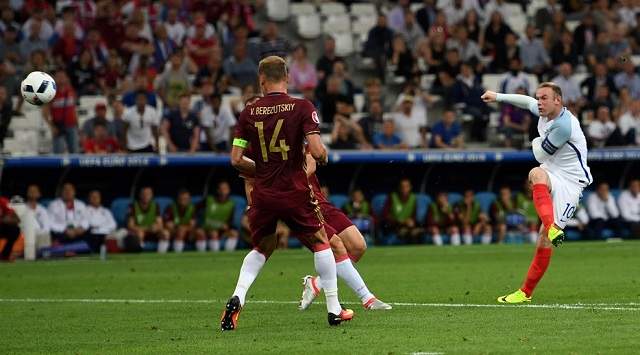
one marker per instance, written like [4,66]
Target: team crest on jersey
[314,117]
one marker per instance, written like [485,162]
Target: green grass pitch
[444,302]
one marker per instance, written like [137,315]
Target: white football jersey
[564,141]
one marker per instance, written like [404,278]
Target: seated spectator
[102,142]
[564,51]
[324,65]
[447,133]
[471,220]
[141,84]
[142,126]
[68,217]
[212,72]
[344,135]
[495,34]
[9,46]
[118,123]
[571,94]
[524,203]
[600,76]
[515,122]
[387,139]
[144,222]
[271,43]
[619,45]
[302,73]
[9,229]
[174,81]
[401,59]
[372,122]
[629,124]
[111,76]
[467,48]
[411,30]
[629,203]
[602,131]
[603,212]
[200,47]
[515,78]
[32,41]
[426,15]
[603,97]
[100,220]
[378,45]
[328,93]
[467,90]
[100,117]
[240,68]
[217,218]
[359,211]
[180,222]
[441,218]
[410,122]
[535,58]
[509,51]
[505,215]
[628,78]
[43,226]
[598,51]
[83,74]
[585,33]
[62,117]
[217,122]
[180,128]
[399,214]
[176,29]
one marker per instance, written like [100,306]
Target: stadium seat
[163,202]
[571,25]
[344,44]
[485,199]
[377,204]
[337,24]
[332,8]
[339,200]
[492,81]
[238,212]
[422,206]
[454,197]
[308,26]
[363,10]
[278,10]
[119,208]
[298,9]
[358,102]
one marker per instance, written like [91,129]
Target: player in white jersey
[558,182]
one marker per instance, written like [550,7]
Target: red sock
[537,269]
[544,205]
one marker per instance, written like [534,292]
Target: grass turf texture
[590,273]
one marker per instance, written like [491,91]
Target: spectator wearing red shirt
[66,46]
[61,116]
[200,48]
[9,229]
[109,23]
[102,142]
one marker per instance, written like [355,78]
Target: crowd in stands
[67,225]
[149,58]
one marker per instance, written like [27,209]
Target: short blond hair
[553,86]
[273,68]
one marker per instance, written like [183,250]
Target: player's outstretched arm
[522,101]
[317,149]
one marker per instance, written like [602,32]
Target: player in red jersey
[349,245]
[275,127]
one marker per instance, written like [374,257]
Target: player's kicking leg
[348,245]
[550,234]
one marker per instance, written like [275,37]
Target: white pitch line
[577,306]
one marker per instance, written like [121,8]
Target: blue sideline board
[335,157]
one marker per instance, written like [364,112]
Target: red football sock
[544,205]
[537,269]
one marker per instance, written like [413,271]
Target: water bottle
[103,252]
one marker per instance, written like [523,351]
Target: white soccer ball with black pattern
[38,88]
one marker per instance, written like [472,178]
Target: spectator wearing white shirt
[629,123]
[176,30]
[629,203]
[515,78]
[571,95]
[397,15]
[100,219]
[43,228]
[209,30]
[603,212]
[68,217]
[217,122]
[601,129]
[142,122]
[411,120]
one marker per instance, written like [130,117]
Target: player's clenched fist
[489,96]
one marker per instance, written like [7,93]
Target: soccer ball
[38,88]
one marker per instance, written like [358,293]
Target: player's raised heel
[556,236]
[229,320]
[344,316]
